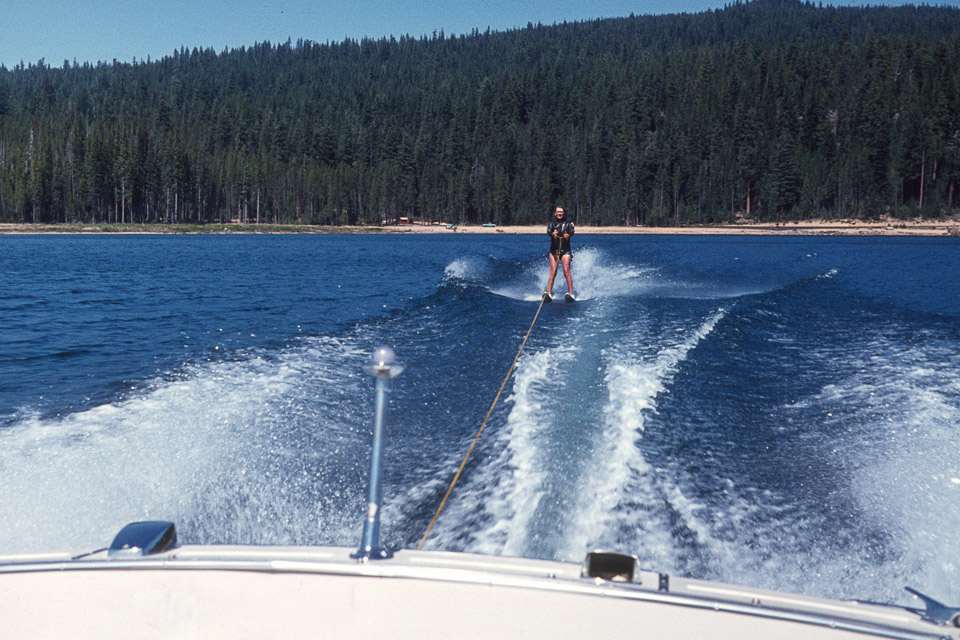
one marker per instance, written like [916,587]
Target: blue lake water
[779,412]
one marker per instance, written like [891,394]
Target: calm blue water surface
[780,412]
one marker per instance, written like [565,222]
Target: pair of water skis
[567,297]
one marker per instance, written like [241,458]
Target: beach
[846,228]
[917,227]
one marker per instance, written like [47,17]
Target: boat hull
[291,592]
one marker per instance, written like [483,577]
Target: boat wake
[740,481]
[556,484]
[594,276]
[229,450]
[744,434]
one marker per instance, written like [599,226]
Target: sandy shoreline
[899,228]
[844,228]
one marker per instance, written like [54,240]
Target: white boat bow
[131,590]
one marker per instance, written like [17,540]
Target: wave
[468,269]
[597,275]
[801,455]
[895,415]
[554,473]
[510,491]
[622,482]
[594,276]
[223,449]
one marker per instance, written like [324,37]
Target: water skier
[559,229]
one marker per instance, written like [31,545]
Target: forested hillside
[775,110]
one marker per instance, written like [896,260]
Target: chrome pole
[383,366]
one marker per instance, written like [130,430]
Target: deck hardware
[937,611]
[383,366]
[143,539]
[664,582]
[617,567]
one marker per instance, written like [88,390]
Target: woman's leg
[566,272]
[553,273]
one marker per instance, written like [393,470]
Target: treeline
[774,110]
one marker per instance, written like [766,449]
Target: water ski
[547,297]
[568,297]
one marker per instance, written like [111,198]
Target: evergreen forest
[770,110]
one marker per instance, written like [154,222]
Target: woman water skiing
[559,229]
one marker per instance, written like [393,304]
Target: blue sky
[104,30]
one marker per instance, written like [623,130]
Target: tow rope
[482,425]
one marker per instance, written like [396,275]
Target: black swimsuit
[560,246]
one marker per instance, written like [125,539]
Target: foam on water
[511,487]
[507,501]
[594,276]
[871,461]
[467,268]
[564,467]
[902,408]
[201,449]
[621,475]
